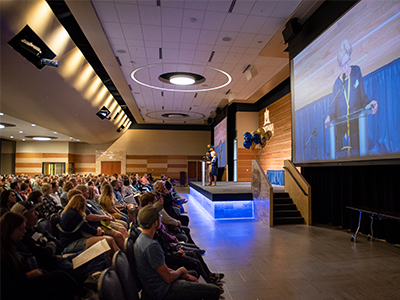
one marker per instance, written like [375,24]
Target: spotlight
[120,128]
[49,62]
[104,113]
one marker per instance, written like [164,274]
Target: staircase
[285,211]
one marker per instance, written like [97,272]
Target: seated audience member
[177,199]
[61,182]
[48,250]
[66,188]
[128,192]
[20,277]
[92,184]
[8,199]
[16,187]
[98,218]
[146,183]
[49,204]
[162,192]
[184,255]
[54,193]
[158,280]
[37,185]
[76,234]
[107,203]
[24,190]
[174,227]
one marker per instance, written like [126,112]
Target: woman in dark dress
[214,168]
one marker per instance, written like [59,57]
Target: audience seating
[130,254]
[109,286]
[124,272]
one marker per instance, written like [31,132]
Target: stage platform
[226,200]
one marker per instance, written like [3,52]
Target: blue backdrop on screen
[382,85]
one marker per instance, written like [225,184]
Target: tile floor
[294,261]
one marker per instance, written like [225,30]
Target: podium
[362,118]
[203,172]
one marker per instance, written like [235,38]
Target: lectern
[362,118]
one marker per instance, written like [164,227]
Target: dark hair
[9,222]
[34,196]
[146,198]
[114,183]
[168,185]
[53,184]
[4,197]
[14,184]
[24,186]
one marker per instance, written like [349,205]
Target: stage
[226,200]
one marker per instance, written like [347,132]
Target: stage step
[285,211]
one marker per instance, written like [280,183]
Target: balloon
[211,149]
[264,143]
[256,138]
[246,145]
[247,135]
[269,134]
[253,145]
[261,131]
[208,146]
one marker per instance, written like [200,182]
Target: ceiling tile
[151,33]
[113,30]
[208,37]
[190,35]
[214,20]
[234,22]
[253,24]
[171,34]
[171,16]
[132,31]
[264,8]
[272,25]
[285,8]
[150,15]
[128,13]
[106,11]
[193,18]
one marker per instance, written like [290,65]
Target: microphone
[368,106]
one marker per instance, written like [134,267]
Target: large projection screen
[346,89]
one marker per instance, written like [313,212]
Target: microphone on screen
[343,77]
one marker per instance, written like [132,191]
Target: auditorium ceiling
[236,47]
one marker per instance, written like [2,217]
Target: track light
[104,113]
[120,128]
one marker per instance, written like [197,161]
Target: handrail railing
[295,180]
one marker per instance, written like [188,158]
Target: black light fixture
[116,115]
[120,128]
[104,113]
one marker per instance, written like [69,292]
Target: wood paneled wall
[31,163]
[278,149]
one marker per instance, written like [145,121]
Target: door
[194,170]
[111,167]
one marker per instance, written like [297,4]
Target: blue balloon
[256,138]
[246,145]
[247,135]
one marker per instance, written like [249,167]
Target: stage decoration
[258,139]
[210,149]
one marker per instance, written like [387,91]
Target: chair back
[109,286]
[122,267]
[130,254]
[45,225]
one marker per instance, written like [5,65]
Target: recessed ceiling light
[192,20]
[182,80]
[70,138]
[11,137]
[55,132]
[227,39]
[23,140]
[121,51]
[33,125]
[260,42]
[1,114]
[21,131]
[175,115]
[1,126]
[41,138]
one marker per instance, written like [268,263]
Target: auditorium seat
[109,286]
[122,267]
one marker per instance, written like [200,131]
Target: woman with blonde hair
[107,203]
[76,234]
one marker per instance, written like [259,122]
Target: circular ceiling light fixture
[175,115]
[134,74]
[3,125]
[40,138]
[182,80]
